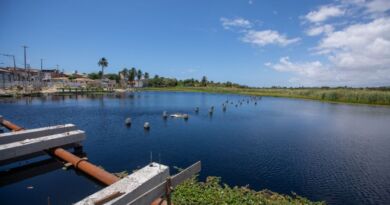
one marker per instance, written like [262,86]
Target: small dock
[150,184]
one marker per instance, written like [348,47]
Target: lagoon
[323,151]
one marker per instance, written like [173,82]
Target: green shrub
[211,192]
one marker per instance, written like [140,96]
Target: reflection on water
[333,152]
[40,163]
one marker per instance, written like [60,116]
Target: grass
[211,192]
[344,95]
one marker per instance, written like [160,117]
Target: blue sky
[252,42]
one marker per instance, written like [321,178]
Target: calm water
[333,152]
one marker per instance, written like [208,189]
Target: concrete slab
[131,186]
[10,137]
[29,146]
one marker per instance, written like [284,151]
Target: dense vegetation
[158,81]
[375,96]
[212,192]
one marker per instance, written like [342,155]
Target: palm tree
[139,74]
[132,74]
[125,72]
[204,81]
[103,63]
[146,75]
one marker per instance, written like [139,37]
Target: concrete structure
[30,146]
[84,82]
[130,187]
[107,83]
[10,77]
[35,133]
[142,187]
[165,188]
[6,78]
[47,74]
[15,145]
[139,83]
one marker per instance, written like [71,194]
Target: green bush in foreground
[212,192]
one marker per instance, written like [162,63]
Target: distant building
[85,82]
[48,74]
[6,78]
[10,77]
[60,81]
[107,83]
[140,83]
[123,80]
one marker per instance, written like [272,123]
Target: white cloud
[315,73]
[317,30]
[265,37]
[235,23]
[314,69]
[376,6]
[323,13]
[373,8]
[256,37]
[358,55]
[365,46]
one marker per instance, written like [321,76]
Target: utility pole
[25,57]
[13,58]
[41,74]
[25,64]
[14,73]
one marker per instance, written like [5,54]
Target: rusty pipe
[82,164]
[11,126]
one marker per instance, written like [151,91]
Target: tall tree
[103,63]
[204,81]
[125,72]
[146,75]
[139,74]
[132,74]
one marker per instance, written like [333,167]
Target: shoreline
[16,94]
[259,92]
[318,94]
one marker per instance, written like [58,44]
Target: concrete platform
[10,137]
[130,187]
[33,145]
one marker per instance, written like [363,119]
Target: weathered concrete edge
[28,146]
[35,133]
[132,186]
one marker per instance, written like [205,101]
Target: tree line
[130,75]
[158,81]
